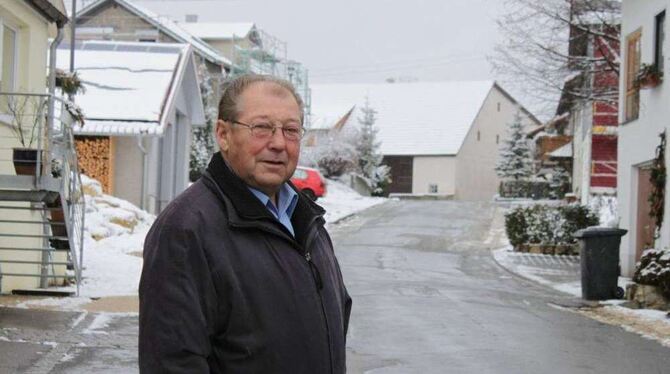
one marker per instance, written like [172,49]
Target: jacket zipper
[319,287]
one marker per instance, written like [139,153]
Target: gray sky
[349,41]
[366,40]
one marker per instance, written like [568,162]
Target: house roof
[130,88]
[53,10]
[219,30]
[422,118]
[165,25]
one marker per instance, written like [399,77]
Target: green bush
[576,217]
[549,225]
[515,226]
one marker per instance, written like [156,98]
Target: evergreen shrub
[547,225]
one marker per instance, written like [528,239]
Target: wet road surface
[428,298]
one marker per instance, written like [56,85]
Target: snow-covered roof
[421,118]
[218,30]
[167,26]
[119,128]
[129,86]
[564,151]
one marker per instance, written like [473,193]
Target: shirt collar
[287,199]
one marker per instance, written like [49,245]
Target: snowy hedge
[654,270]
[525,189]
[547,225]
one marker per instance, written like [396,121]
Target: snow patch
[62,303]
[607,209]
[100,322]
[341,201]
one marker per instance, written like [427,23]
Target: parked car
[310,182]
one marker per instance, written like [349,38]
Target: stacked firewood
[94,154]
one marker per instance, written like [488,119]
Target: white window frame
[3,24]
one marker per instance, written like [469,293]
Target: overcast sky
[365,40]
[349,41]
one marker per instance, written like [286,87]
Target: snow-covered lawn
[115,231]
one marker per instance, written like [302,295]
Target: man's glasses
[265,130]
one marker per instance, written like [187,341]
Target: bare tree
[560,48]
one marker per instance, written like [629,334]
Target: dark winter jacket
[225,288]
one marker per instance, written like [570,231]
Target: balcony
[41,198]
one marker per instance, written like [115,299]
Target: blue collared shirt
[287,198]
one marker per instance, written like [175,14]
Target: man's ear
[222,135]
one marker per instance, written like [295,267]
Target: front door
[645,223]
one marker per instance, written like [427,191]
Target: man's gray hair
[233,89]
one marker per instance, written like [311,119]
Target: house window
[497,139]
[499,107]
[479,136]
[632,109]
[147,40]
[432,188]
[8,48]
[659,39]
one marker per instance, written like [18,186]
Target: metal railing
[72,193]
[34,145]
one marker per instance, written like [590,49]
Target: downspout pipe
[44,280]
[143,187]
[52,79]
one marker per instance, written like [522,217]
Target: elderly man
[239,273]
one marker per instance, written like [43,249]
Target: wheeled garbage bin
[599,252]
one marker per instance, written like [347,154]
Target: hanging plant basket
[648,76]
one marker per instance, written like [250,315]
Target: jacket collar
[248,207]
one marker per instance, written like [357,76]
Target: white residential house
[140,102]
[644,113]
[41,213]
[439,138]
[125,20]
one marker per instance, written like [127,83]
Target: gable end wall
[476,178]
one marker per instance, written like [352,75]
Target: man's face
[264,164]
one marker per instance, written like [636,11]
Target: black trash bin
[599,251]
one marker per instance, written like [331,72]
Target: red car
[310,182]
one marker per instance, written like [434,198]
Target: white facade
[24,44]
[434,175]
[638,138]
[478,155]
[451,132]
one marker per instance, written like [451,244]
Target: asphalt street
[428,298]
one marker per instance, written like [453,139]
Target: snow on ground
[114,236]
[115,232]
[651,324]
[341,201]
